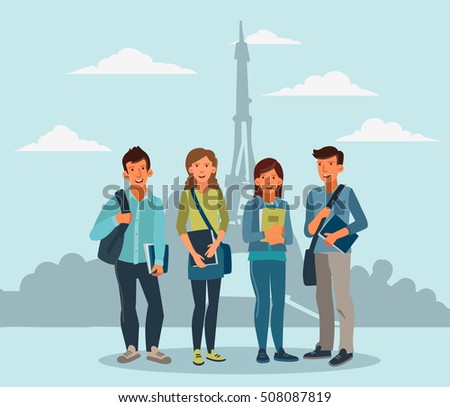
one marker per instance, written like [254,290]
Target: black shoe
[282,356]
[318,353]
[341,358]
[262,356]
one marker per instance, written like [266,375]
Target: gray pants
[334,267]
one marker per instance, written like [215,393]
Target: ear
[258,182]
[150,173]
[340,168]
[280,181]
[125,174]
[190,170]
[213,170]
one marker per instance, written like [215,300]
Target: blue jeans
[269,275]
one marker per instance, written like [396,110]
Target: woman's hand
[199,260]
[212,248]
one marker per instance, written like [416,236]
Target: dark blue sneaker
[318,353]
[282,356]
[262,356]
[341,358]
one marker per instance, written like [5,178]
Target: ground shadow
[239,361]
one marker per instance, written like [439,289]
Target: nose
[139,173]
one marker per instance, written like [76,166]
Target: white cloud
[269,38]
[61,138]
[331,84]
[378,130]
[130,61]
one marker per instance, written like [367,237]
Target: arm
[248,233]
[312,222]
[288,234]
[360,222]
[224,220]
[159,239]
[106,220]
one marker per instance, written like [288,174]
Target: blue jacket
[251,232]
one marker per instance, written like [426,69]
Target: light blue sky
[396,49]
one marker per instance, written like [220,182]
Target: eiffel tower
[243,159]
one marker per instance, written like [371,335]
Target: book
[200,240]
[270,217]
[149,250]
[333,225]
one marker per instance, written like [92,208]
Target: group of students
[202,202]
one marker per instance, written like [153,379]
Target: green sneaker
[198,358]
[215,357]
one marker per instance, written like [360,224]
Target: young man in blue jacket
[333,266]
[145,225]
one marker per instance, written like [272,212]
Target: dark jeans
[199,292]
[127,274]
[269,276]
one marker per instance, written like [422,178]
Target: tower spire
[243,159]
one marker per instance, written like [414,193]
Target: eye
[132,169]
[143,168]
[196,165]
[273,178]
[206,165]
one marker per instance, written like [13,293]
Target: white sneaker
[156,356]
[130,355]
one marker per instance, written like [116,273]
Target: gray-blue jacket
[251,232]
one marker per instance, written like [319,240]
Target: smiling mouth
[269,187]
[202,176]
[139,180]
[326,175]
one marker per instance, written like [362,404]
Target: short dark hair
[134,155]
[328,152]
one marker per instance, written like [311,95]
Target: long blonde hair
[195,155]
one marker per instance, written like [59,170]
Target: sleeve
[288,234]
[183,214]
[309,213]
[360,222]
[224,218]
[248,233]
[106,220]
[159,238]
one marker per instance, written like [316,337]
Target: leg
[278,286]
[211,314]
[198,317]
[324,302]
[126,278]
[155,313]
[340,271]
[260,281]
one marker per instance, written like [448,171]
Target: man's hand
[324,213]
[212,248]
[330,239]
[199,260]
[123,218]
[157,271]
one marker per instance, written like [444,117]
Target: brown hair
[265,166]
[134,155]
[328,152]
[195,155]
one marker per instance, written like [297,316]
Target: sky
[396,50]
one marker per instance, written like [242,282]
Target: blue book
[333,225]
[149,249]
[200,240]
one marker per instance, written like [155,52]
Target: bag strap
[202,213]
[123,201]
[330,204]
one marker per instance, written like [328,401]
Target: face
[202,170]
[329,169]
[137,173]
[269,181]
